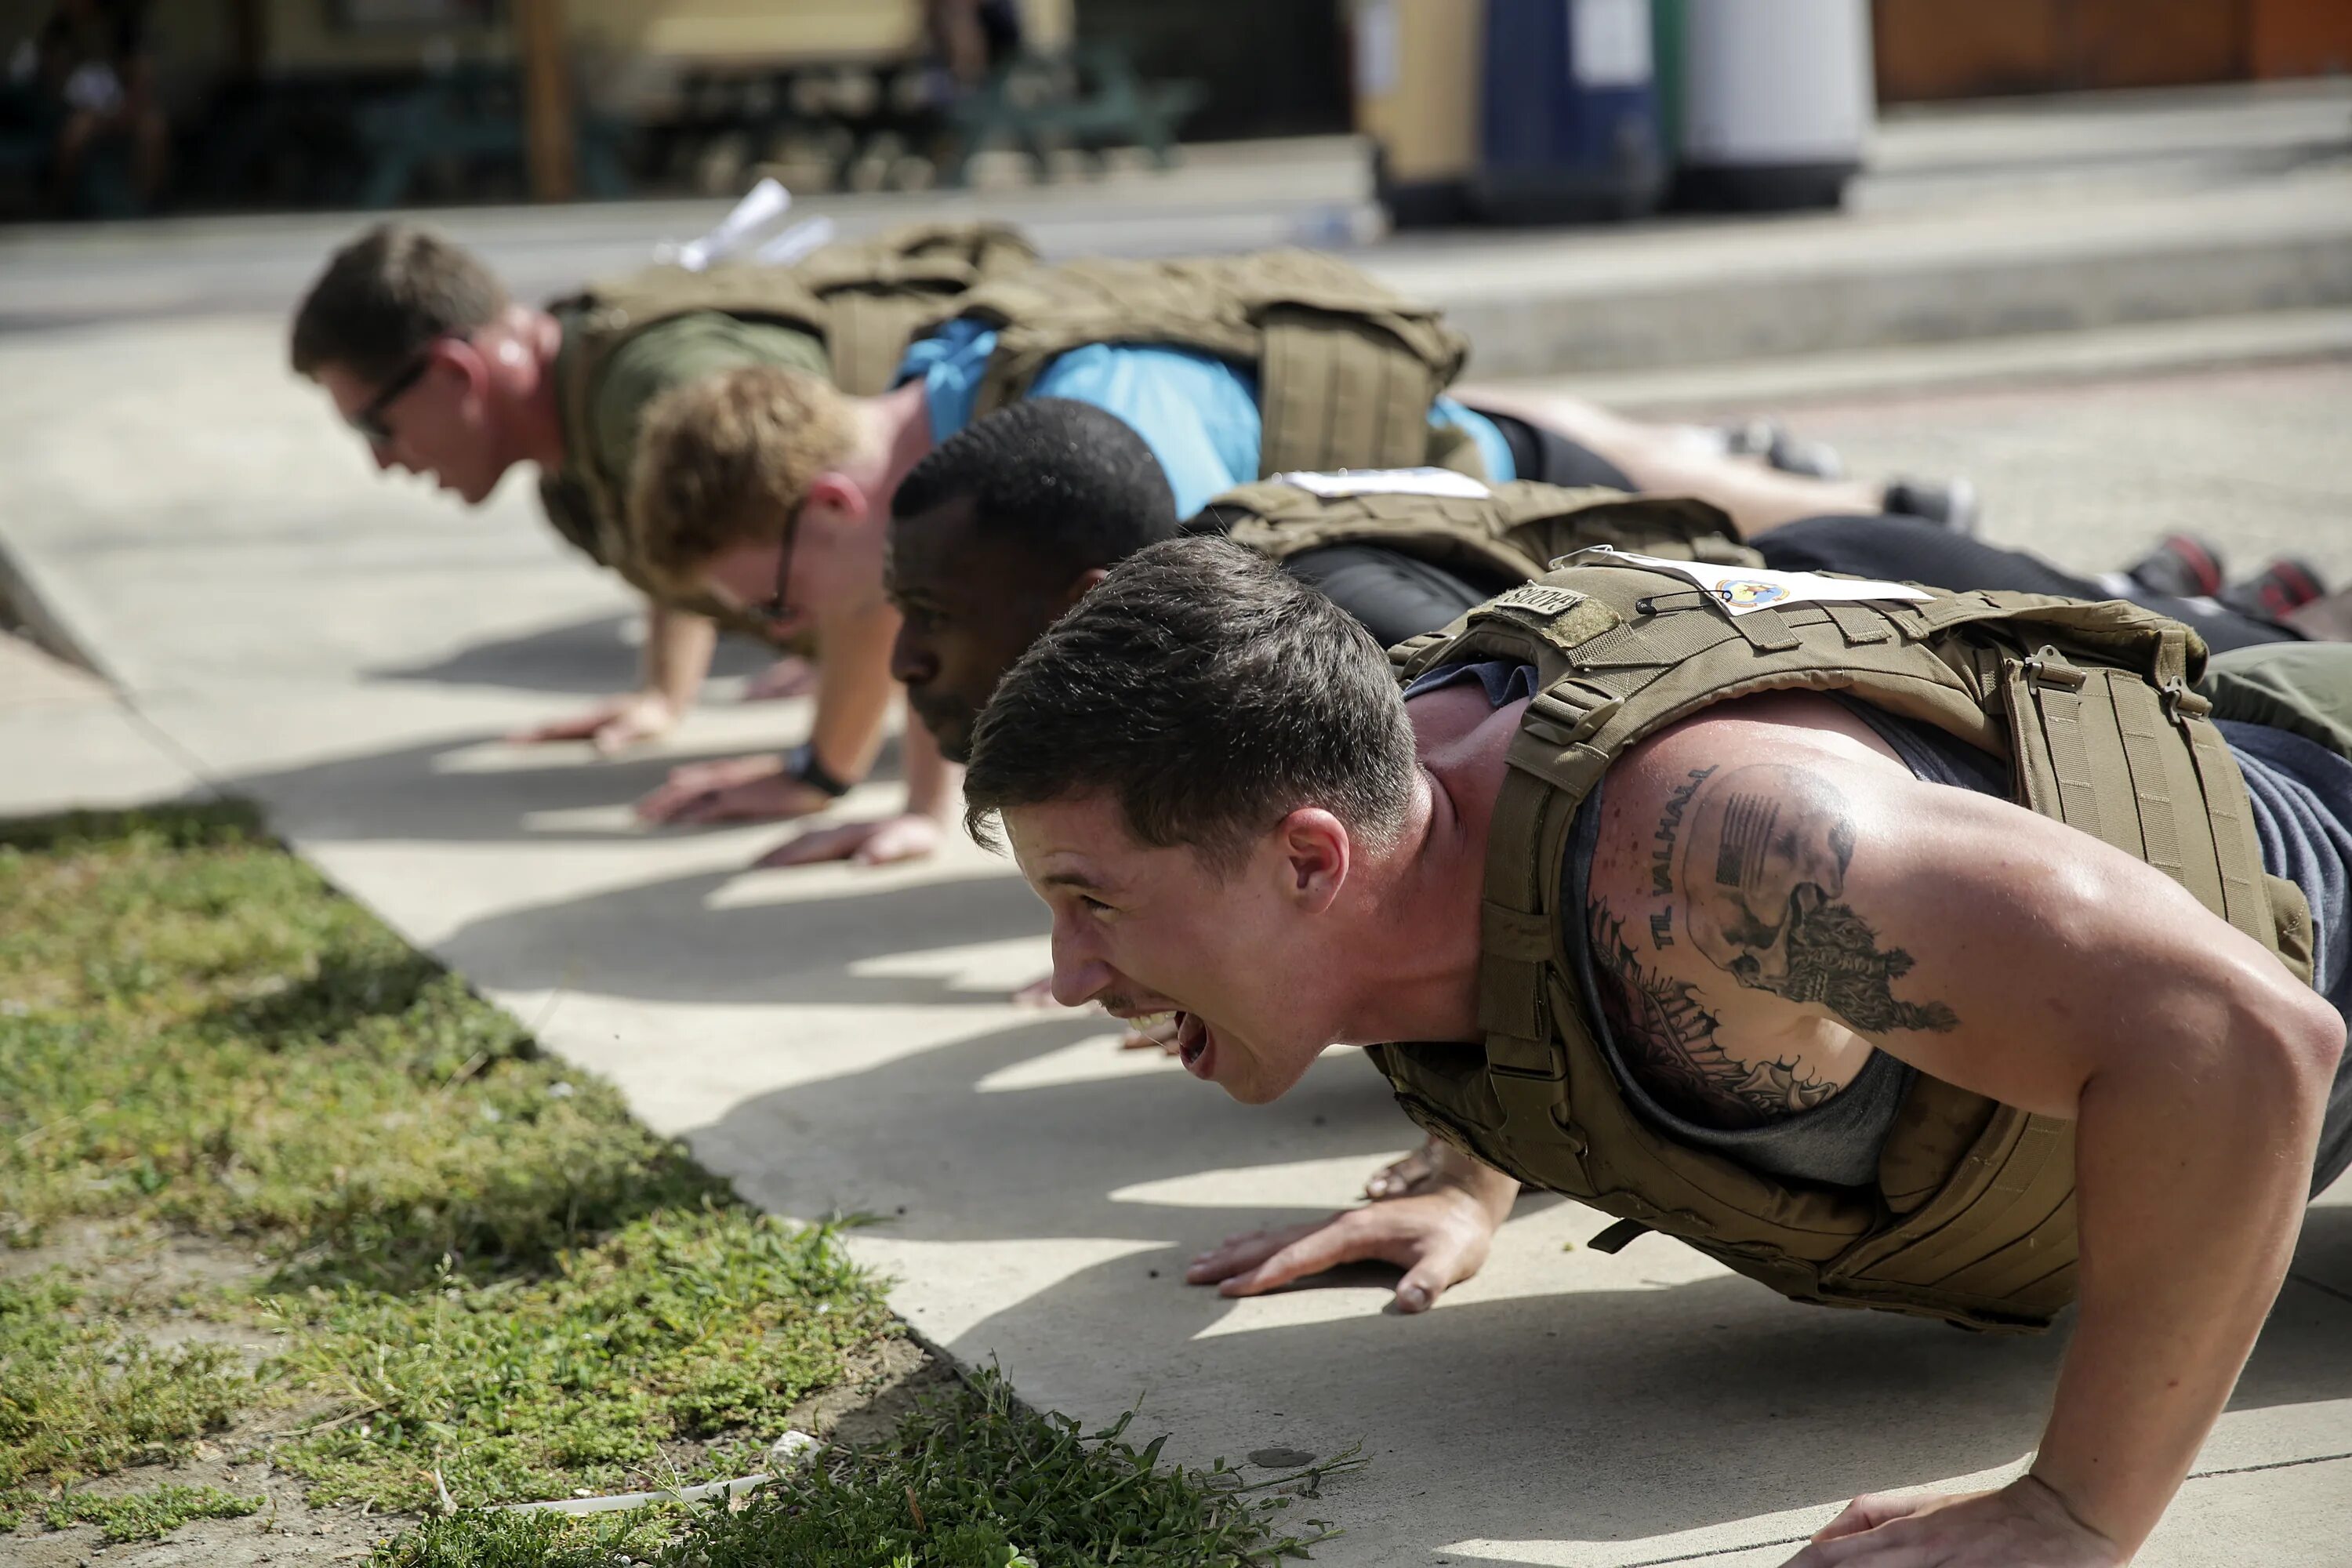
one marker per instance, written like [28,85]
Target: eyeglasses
[370,421]
[774,610]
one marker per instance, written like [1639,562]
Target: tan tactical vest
[1347,369]
[1972,1218]
[1511,534]
[864,302]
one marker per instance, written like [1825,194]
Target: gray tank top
[2302,795]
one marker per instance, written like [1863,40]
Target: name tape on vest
[1387,483]
[1747,589]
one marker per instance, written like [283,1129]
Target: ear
[839,494]
[462,356]
[1317,855]
[1082,585]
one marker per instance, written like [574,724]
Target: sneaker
[2276,592]
[2181,566]
[1766,439]
[1948,503]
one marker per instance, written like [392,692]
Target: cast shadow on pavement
[673,941]
[589,659]
[484,791]
[1611,1406]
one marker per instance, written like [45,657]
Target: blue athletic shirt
[1197,414]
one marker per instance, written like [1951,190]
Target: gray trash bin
[1776,102]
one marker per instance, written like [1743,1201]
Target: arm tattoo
[1777,841]
[1669,1044]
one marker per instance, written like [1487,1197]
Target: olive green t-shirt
[663,355]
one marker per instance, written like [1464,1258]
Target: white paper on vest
[1341,483]
[1747,589]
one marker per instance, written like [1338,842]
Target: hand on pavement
[612,725]
[791,676]
[910,837]
[1438,1238]
[2022,1525]
[740,789]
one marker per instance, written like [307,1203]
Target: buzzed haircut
[1211,694]
[1071,483]
[386,295]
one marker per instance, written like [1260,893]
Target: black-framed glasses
[773,609]
[370,421]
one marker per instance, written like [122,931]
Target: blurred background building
[1511,110]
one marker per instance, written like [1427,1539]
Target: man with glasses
[426,356]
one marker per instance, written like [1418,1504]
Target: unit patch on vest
[1349,482]
[1745,589]
[1542,598]
[1561,616]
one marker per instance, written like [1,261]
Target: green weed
[149,1515]
[80,1398]
[975,1480]
[683,1327]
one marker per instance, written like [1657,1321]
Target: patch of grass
[492,1539]
[81,1398]
[976,1480]
[478,1256]
[678,1328]
[149,1515]
[483,1275]
[970,1480]
[212,1039]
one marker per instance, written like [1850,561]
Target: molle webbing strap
[1336,391]
[1858,626]
[1513,531]
[2229,810]
[2017,1179]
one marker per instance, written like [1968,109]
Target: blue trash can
[1570,127]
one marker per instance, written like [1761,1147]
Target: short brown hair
[728,458]
[386,295]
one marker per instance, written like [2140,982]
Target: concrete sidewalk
[346,652]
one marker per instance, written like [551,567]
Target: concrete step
[2219,128]
[2099,354]
[1698,293]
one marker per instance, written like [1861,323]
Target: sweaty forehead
[1082,836]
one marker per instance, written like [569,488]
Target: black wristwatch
[803,764]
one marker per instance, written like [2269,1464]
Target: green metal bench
[1090,99]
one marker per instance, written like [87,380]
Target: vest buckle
[2181,702]
[2047,668]
[1564,714]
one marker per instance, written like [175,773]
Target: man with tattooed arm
[1970,956]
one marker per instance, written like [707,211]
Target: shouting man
[1938,954]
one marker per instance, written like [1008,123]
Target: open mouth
[1194,1047]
